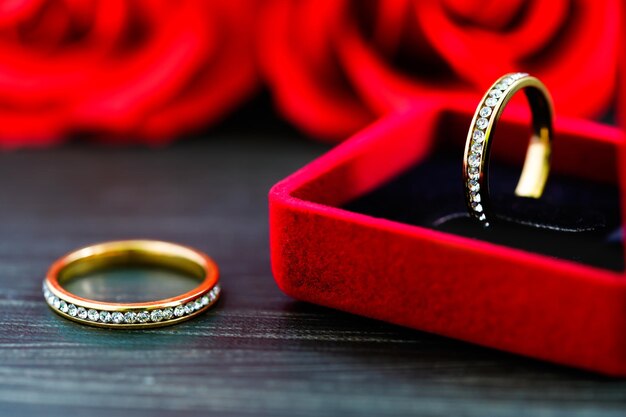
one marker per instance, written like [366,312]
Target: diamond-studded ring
[132,315]
[479,138]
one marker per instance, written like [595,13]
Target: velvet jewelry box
[377,227]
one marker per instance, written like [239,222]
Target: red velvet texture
[496,296]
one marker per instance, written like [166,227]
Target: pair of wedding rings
[192,262]
[480,137]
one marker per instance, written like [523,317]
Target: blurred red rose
[128,70]
[334,65]
[622,74]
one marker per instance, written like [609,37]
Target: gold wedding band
[478,145]
[132,315]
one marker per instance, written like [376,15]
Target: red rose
[133,70]
[622,81]
[334,65]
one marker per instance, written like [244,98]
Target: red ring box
[489,294]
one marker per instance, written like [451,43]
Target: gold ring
[132,315]
[478,144]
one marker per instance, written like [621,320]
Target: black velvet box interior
[577,220]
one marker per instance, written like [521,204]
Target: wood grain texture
[259,353]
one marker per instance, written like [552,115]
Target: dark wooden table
[259,352]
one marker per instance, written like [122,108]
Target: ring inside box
[577,218]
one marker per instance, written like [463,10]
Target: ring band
[478,144]
[132,315]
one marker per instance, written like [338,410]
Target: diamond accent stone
[179,311]
[56,303]
[205,300]
[93,315]
[508,80]
[482,217]
[189,307]
[491,101]
[482,123]
[168,313]
[473,173]
[495,93]
[156,315]
[474,159]
[117,317]
[478,135]
[475,197]
[82,313]
[130,317]
[198,304]
[485,111]
[72,310]
[105,316]
[142,317]
[477,147]
[501,86]
[63,306]
[477,207]
[473,185]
